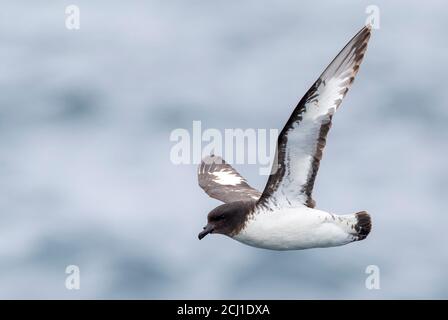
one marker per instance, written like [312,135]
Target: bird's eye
[221,217]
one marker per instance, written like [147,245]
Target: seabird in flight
[283,216]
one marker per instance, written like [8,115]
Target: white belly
[297,228]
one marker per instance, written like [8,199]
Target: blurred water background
[85,172]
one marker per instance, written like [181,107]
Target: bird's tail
[363,225]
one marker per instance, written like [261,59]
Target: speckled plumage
[283,216]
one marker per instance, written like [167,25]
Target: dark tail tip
[364,225]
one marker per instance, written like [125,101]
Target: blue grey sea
[86,177]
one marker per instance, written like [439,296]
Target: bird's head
[227,219]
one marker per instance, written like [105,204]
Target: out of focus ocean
[85,171]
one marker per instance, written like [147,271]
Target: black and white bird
[283,216]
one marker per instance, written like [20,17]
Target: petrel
[283,216]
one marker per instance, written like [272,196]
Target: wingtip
[365,32]
[368,26]
[212,158]
[363,35]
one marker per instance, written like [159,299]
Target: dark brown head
[227,219]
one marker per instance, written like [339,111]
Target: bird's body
[283,216]
[297,228]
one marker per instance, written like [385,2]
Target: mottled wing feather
[220,181]
[302,140]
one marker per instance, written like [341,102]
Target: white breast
[296,228]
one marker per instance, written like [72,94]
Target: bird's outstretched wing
[220,181]
[302,140]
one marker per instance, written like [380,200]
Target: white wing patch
[227,178]
[220,181]
[302,140]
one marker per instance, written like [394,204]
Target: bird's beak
[207,229]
